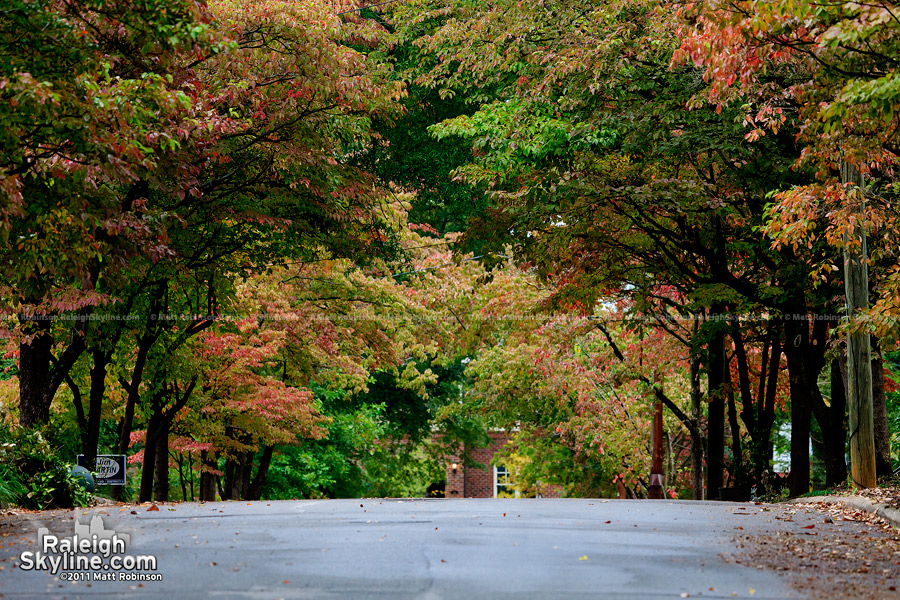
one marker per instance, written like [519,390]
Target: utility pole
[859,352]
[656,447]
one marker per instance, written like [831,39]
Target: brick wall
[479,483]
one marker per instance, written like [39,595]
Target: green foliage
[12,488]
[8,368]
[892,397]
[34,474]
[513,136]
[334,466]
[405,155]
[380,443]
[536,460]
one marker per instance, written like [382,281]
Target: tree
[91,115]
[241,173]
[842,63]
[602,178]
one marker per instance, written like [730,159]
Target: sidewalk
[885,511]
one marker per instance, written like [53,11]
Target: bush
[12,488]
[33,475]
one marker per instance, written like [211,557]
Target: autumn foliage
[337,243]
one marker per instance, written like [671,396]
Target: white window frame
[508,480]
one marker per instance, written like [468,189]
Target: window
[503,485]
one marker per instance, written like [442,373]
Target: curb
[892,515]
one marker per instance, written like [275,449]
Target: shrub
[33,475]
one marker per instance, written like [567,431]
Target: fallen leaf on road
[808,527]
[286,581]
[583,557]
[153,507]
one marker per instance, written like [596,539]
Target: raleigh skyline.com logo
[92,553]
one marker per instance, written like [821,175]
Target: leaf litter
[845,553]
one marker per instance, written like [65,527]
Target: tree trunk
[805,350]
[34,374]
[736,469]
[237,476]
[696,439]
[751,412]
[101,360]
[158,435]
[78,403]
[766,418]
[227,489]
[161,478]
[246,473]
[207,477]
[697,452]
[797,333]
[716,420]
[259,482]
[765,408]
[220,485]
[181,479]
[883,466]
[835,438]
[148,470]
[133,388]
[800,431]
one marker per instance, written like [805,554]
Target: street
[428,549]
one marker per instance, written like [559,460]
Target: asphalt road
[422,549]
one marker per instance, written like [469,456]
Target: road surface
[411,549]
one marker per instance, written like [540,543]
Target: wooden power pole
[859,352]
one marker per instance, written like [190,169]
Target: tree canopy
[257,243]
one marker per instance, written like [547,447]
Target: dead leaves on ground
[845,553]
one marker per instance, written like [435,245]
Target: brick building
[484,483]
